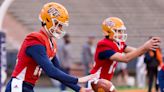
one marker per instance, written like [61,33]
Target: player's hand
[85,90]
[152,44]
[88,77]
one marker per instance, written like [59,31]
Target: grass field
[38,89]
[134,89]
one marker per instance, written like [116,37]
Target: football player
[160,75]
[161,79]
[38,52]
[112,48]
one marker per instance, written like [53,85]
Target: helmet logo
[53,12]
[110,23]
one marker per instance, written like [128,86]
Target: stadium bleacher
[142,18]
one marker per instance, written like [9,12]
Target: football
[102,85]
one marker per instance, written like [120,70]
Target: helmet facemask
[119,34]
[57,29]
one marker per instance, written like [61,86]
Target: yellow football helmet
[53,16]
[114,28]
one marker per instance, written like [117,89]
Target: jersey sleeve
[55,62]
[106,54]
[105,50]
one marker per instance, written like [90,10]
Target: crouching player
[38,52]
[112,48]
